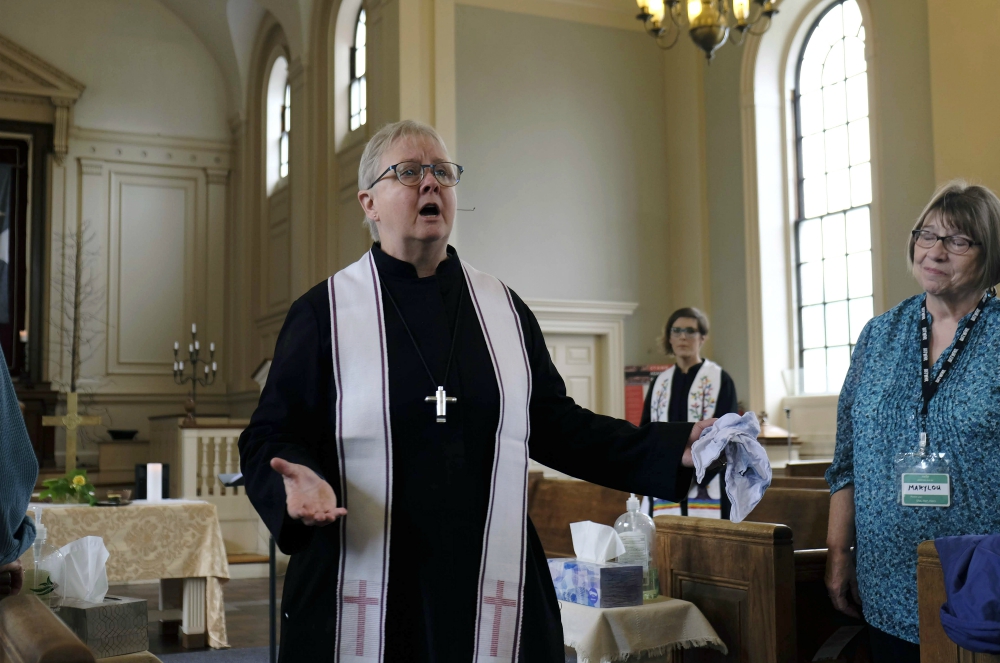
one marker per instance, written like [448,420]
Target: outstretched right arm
[280,451]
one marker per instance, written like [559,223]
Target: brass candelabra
[194,358]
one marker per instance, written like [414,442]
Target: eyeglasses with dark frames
[684,332]
[411,173]
[956,244]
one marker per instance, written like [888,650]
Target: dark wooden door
[15,158]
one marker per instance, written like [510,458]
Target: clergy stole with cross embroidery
[703,501]
[364,447]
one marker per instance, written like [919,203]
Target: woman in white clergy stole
[405,397]
[693,389]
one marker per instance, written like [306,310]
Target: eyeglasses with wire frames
[684,332]
[411,173]
[955,244]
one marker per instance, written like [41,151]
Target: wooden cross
[71,422]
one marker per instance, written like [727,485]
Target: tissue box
[607,585]
[114,627]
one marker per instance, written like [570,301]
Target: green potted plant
[72,488]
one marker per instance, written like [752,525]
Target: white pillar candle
[182,366]
[197,345]
[211,347]
[194,328]
[190,348]
[215,367]
[177,345]
[154,482]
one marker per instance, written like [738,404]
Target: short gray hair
[975,211]
[371,159]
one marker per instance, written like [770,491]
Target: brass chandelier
[709,22]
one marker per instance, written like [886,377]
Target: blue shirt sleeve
[18,472]
[841,472]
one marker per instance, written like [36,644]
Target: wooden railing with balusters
[198,454]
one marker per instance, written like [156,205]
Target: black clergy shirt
[441,471]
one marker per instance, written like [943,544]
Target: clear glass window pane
[283,149]
[838,361]
[838,190]
[814,371]
[813,156]
[814,195]
[364,95]
[854,56]
[857,97]
[859,274]
[836,149]
[811,283]
[810,75]
[833,68]
[811,112]
[859,141]
[813,327]
[859,233]
[831,28]
[837,331]
[861,184]
[360,61]
[363,118]
[361,32]
[861,311]
[834,242]
[835,105]
[835,278]
[810,241]
[355,97]
[852,18]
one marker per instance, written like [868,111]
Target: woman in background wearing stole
[389,451]
[693,389]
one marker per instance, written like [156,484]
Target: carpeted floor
[250,655]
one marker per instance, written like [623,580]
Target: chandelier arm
[767,24]
[736,42]
[673,42]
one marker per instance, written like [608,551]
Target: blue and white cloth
[748,470]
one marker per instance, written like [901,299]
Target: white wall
[560,130]
[145,71]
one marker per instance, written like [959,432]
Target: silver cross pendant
[442,399]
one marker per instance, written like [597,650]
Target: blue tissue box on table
[607,585]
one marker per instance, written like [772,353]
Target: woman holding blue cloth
[918,421]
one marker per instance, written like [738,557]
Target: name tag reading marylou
[926,489]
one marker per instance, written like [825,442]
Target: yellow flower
[79,480]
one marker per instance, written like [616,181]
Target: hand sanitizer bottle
[49,564]
[638,534]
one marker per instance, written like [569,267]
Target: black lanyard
[930,387]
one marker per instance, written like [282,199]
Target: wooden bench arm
[30,633]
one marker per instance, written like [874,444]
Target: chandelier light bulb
[741,9]
[694,10]
[657,10]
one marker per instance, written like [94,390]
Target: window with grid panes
[359,82]
[286,122]
[833,227]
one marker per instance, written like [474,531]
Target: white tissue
[593,542]
[85,576]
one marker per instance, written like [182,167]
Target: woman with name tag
[918,421]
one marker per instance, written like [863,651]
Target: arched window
[278,113]
[359,82]
[832,226]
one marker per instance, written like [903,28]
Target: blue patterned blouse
[879,416]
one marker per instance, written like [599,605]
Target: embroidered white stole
[364,448]
[702,399]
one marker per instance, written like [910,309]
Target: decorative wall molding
[154,150]
[606,320]
[36,91]
[605,13]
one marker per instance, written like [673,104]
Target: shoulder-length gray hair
[371,159]
[972,210]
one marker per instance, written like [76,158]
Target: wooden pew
[806,468]
[805,510]
[555,503]
[31,633]
[935,645]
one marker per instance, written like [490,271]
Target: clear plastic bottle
[638,533]
[45,577]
